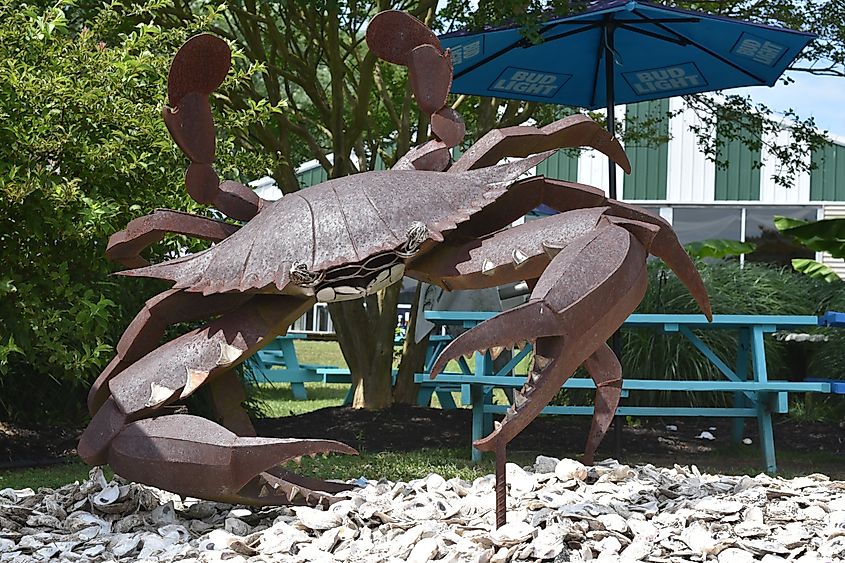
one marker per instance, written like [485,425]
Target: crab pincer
[199,458]
[587,291]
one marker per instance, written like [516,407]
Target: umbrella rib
[662,20]
[516,44]
[703,48]
[674,40]
[571,32]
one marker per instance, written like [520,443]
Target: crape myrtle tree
[83,150]
[331,100]
[334,101]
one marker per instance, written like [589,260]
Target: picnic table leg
[767,438]
[347,400]
[299,393]
[477,395]
[292,363]
[484,366]
[738,424]
[764,414]
[446,400]
[424,396]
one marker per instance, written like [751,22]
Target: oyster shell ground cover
[559,510]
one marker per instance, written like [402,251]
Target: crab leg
[125,246]
[197,70]
[606,372]
[588,290]
[528,194]
[571,131]
[402,39]
[199,458]
[433,155]
[174,371]
[147,328]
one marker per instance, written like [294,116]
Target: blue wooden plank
[709,354]
[643,411]
[294,336]
[832,318]
[515,359]
[289,376]
[740,401]
[837,386]
[644,384]
[469,318]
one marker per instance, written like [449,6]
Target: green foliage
[814,269]
[83,150]
[827,235]
[718,248]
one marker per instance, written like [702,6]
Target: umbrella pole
[609,28]
[616,339]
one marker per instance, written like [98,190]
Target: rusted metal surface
[606,372]
[433,220]
[402,39]
[125,247]
[501,484]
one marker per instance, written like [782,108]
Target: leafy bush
[83,150]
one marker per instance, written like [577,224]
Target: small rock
[542,464]
[705,435]
[236,526]
[424,551]
[513,533]
[735,555]
[568,469]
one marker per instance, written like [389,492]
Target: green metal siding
[312,177]
[562,165]
[740,180]
[827,179]
[649,163]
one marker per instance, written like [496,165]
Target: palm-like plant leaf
[827,235]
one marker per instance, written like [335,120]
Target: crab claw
[582,298]
[199,458]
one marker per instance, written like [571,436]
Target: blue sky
[822,97]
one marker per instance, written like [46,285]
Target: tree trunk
[413,358]
[365,330]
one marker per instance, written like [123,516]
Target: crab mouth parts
[358,280]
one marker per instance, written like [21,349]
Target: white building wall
[836,264]
[798,193]
[691,176]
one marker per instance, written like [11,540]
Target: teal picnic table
[277,362]
[755,396]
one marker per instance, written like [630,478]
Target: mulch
[403,428]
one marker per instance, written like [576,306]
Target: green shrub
[83,150]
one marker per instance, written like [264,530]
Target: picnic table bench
[277,362]
[754,395]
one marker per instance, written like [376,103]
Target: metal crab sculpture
[434,220]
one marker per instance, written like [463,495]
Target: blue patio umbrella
[619,52]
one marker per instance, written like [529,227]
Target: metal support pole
[501,484]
